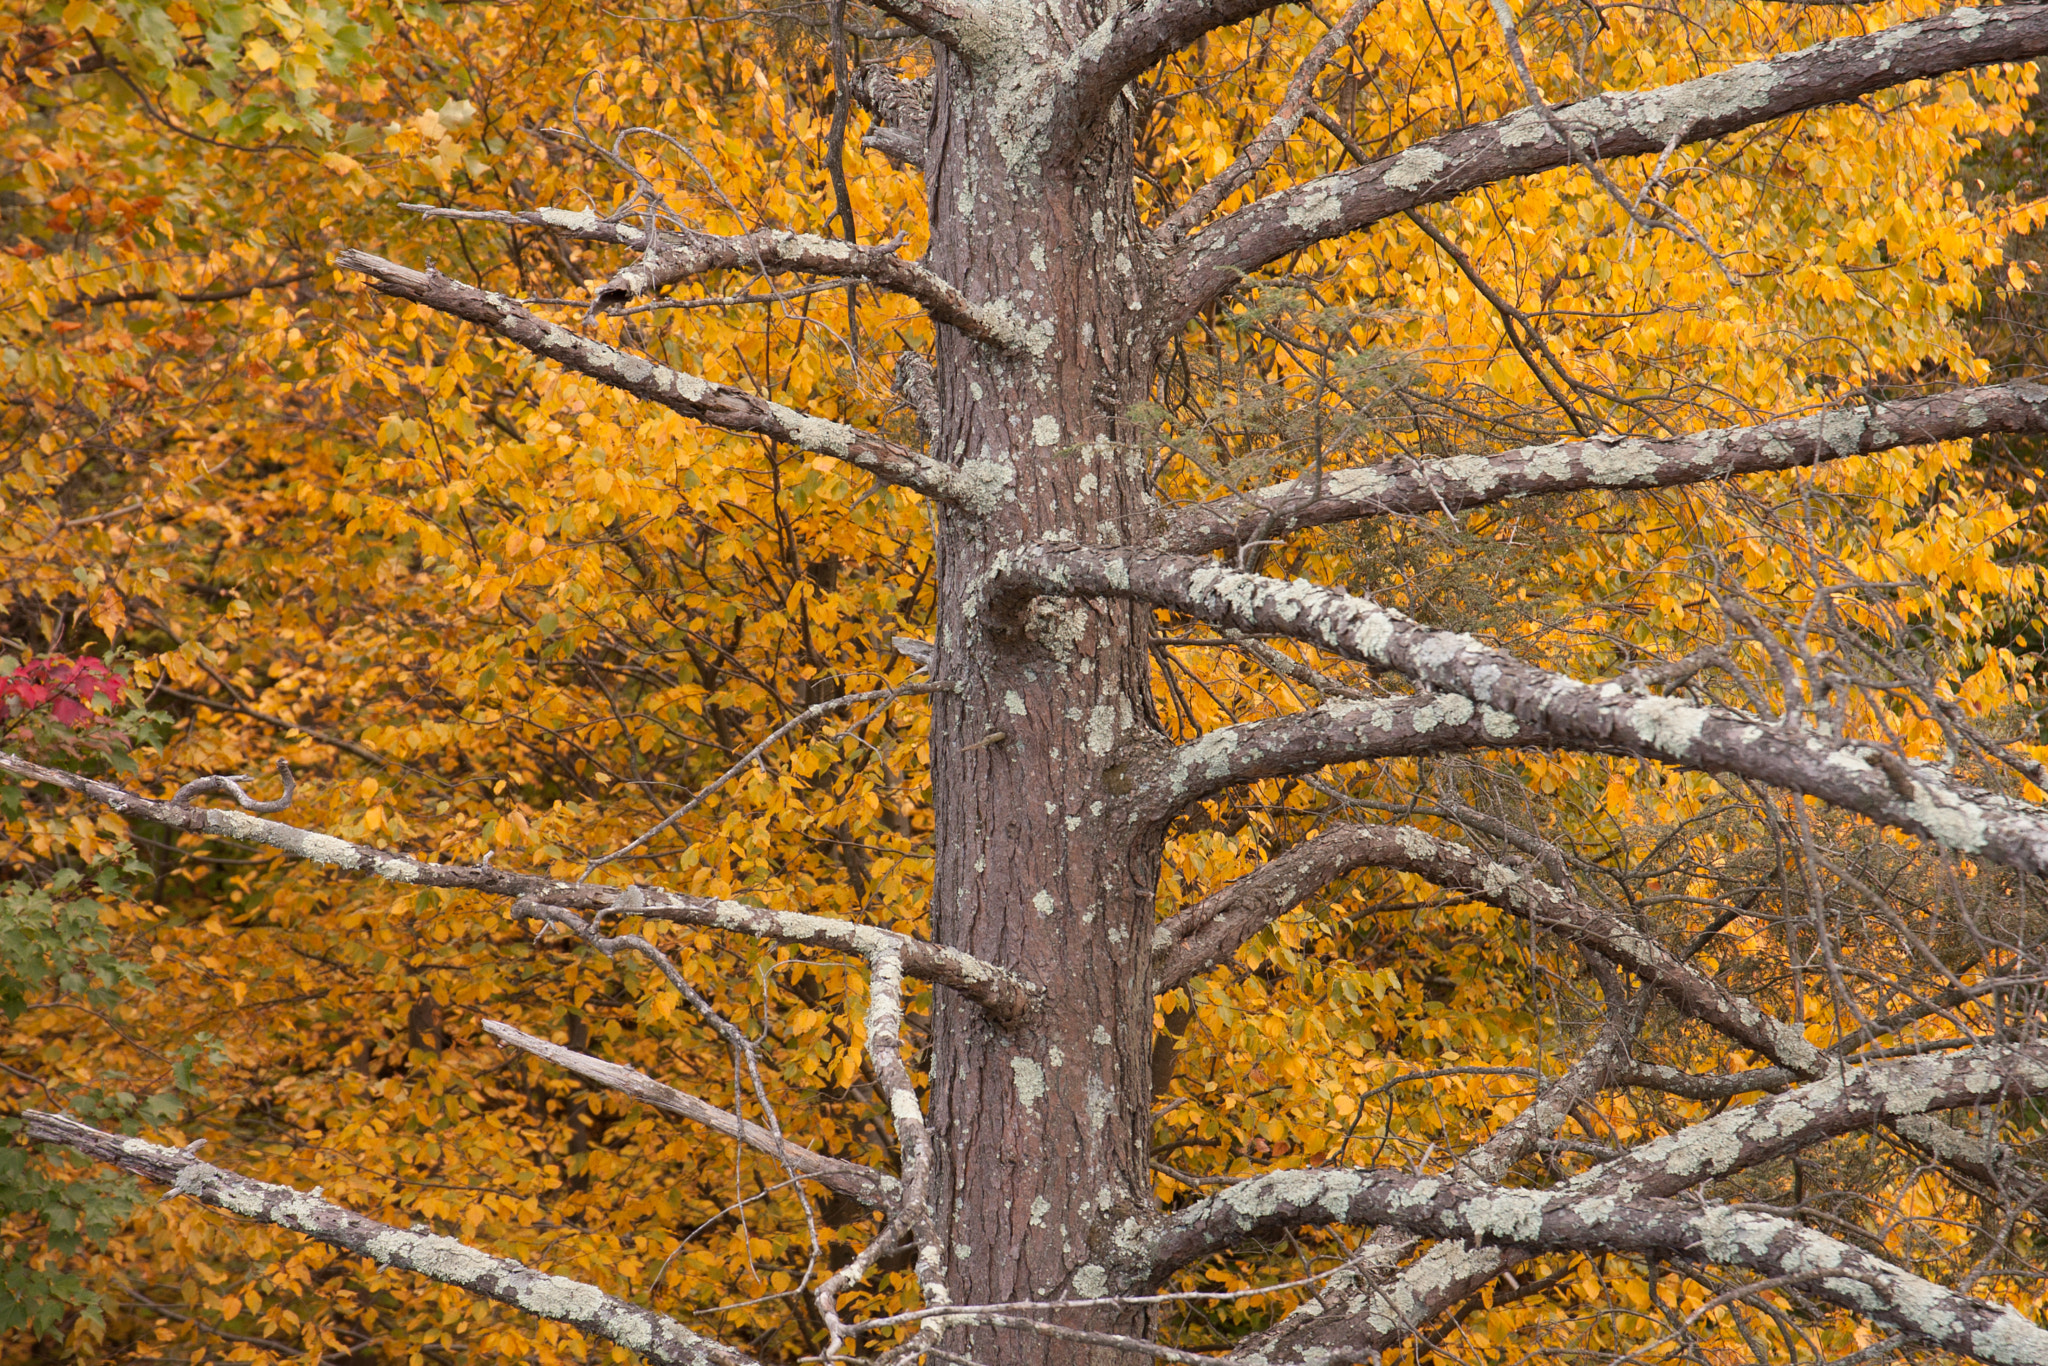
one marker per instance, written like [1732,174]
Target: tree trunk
[1044,1130]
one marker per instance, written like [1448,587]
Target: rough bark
[1001,993]
[655,1337]
[1025,1167]
[1422,487]
[717,405]
[1862,778]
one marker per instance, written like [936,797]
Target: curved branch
[1348,1324]
[1911,796]
[653,1336]
[851,1179]
[1468,481]
[1630,123]
[975,487]
[1132,40]
[1287,115]
[1343,732]
[1558,1221]
[682,254]
[1004,995]
[1215,927]
[955,24]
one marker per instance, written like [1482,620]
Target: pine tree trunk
[1043,1130]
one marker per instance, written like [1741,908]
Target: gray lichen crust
[654,1336]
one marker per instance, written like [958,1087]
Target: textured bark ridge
[1024,1177]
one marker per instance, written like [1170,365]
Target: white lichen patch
[1507,1216]
[1667,725]
[1029,1079]
[1498,725]
[558,1297]
[981,486]
[1949,818]
[1091,1282]
[1101,730]
[1042,902]
[1098,1103]
[1317,208]
[1414,169]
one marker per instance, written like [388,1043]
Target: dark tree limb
[1617,124]
[1132,40]
[958,25]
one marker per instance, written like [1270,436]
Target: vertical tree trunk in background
[1044,1129]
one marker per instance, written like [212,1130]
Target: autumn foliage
[488,609]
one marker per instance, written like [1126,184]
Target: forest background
[482,607]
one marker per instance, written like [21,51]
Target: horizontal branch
[851,1179]
[1534,1221]
[680,254]
[1343,732]
[1004,995]
[977,487]
[1774,1127]
[1906,795]
[1416,488]
[653,1336]
[1215,927]
[1356,1322]
[1617,124]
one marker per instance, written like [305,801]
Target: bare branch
[1570,1220]
[1353,1319]
[651,1335]
[1004,995]
[913,1139]
[851,1179]
[682,253]
[230,785]
[1133,39]
[1618,124]
[1343,732]
[1461,482]
[1912,796]
[1214,928]
[974,487]
[1294,104]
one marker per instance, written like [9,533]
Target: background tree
[1148,351]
